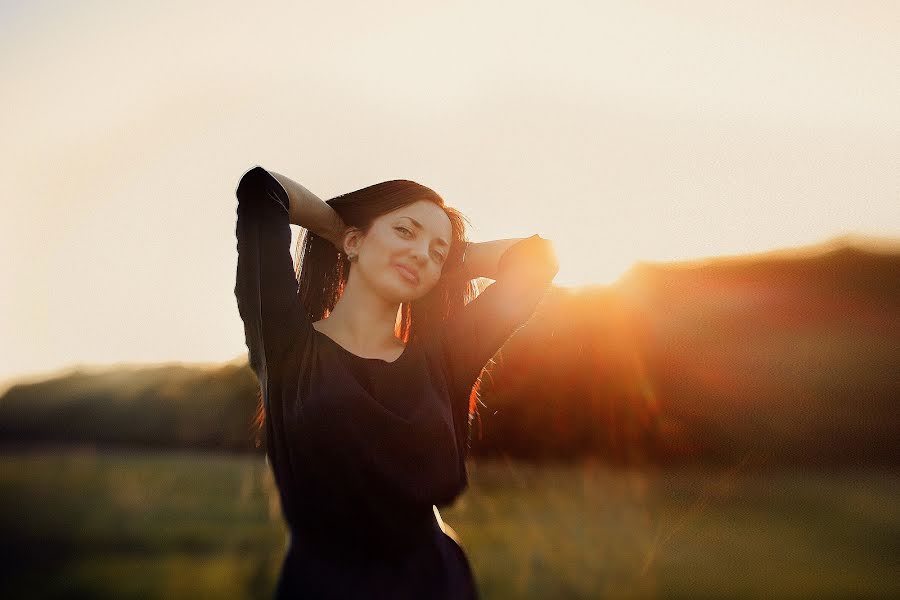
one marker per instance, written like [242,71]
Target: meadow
[136,524]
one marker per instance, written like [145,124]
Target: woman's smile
[407,274]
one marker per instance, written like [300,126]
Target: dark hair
[322,270]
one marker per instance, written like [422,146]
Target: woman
[367,415]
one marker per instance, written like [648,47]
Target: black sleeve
[475,333]
[265,286]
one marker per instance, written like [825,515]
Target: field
[105,524]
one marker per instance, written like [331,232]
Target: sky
[621,131]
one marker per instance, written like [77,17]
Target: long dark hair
[322,270]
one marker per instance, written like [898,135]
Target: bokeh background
[705,402]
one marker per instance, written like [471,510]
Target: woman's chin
[403,293]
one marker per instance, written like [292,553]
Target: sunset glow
[622,132]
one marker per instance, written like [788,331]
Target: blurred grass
[173,525]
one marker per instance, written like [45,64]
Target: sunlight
[580,265]
[615,161]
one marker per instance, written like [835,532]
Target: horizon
[870,244]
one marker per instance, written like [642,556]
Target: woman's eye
[440,257]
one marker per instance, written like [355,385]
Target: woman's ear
[352,240]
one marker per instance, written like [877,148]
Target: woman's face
[403,254]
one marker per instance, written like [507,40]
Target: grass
[171,525]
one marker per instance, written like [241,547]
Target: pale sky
[622,131]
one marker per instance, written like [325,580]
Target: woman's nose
[420,255]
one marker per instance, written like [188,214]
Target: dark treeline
[788,358]
[151,407]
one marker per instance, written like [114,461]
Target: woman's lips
[407,274]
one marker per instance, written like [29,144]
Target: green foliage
[166,406]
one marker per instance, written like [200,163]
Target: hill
[791,356]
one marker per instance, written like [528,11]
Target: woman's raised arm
[523,269]
[311,212]
[265,284]
[482,258]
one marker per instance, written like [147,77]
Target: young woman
[368,365]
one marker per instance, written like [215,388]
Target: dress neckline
[358,357]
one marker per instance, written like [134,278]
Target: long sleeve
[265,286]
[475,333]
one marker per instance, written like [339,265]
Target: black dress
[363,450]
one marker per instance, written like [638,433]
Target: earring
[351,257]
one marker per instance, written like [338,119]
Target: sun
[580,266]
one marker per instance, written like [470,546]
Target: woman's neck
[363,321]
